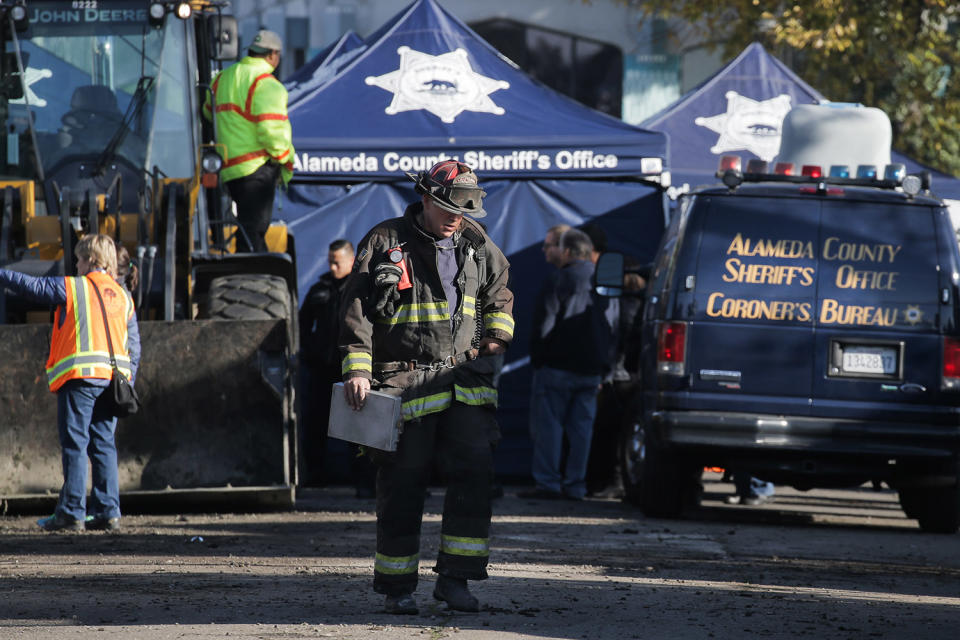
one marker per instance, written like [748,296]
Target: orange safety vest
[252,120]
[78,348]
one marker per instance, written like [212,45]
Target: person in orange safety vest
[79,372]
[252,124]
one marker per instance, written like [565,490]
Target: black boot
[403,604]
[455,593]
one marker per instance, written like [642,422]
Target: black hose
[141,251]
[151,258]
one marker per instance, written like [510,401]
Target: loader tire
[249,297]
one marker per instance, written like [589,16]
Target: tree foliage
[902,56]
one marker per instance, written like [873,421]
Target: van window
[659,279]
[757,260]
[878,265]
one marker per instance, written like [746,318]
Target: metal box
[377,425]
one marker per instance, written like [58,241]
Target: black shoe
[455,593]
[99,523]
[60,522]
[403,605]
[540,494]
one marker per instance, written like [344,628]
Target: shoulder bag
[120,397]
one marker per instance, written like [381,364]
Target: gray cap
[266,41]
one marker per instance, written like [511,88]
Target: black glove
[386,274]
[385,295]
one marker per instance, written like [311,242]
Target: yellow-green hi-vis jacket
[252,122]
[421,329]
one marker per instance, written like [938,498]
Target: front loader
[101,104]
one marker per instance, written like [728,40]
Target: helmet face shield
[460,199]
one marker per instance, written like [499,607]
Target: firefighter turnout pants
[458,441]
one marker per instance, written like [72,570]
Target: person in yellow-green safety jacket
[424,311]
[252,123]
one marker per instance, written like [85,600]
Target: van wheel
[632,452]
[937,509]
[910,502]
[669,483]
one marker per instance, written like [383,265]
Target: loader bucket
[216,420]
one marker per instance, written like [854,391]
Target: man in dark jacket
[424,311]
[319,326]
[570,351]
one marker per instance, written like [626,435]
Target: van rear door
[877,341]
[751,304]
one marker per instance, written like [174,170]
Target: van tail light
[951,363]
[672,348]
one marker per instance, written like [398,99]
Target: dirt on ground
[823,564]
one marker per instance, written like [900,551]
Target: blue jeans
[86,429]
[563,402]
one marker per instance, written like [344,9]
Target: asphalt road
[822,564]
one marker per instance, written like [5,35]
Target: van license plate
[874,360]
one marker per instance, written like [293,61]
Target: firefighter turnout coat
[252,122]
[421,331]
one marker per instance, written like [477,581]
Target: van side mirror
[608,276]
[224,37]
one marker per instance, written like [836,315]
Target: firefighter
[424,310]
[252,124]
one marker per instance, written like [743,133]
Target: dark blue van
[804,328]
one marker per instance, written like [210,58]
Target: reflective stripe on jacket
[421,327]
[78,348]
[252,121]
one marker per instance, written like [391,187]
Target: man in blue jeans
[571,350]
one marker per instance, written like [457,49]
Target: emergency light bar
[839,171]
[729,162]
[895,171]
[783,169]
[894,175]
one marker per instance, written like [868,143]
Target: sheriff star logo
[445,85]
[913,314]
[753,125]
[31,77]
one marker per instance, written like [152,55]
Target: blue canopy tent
[739,110]
[427,88]
[323,66]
